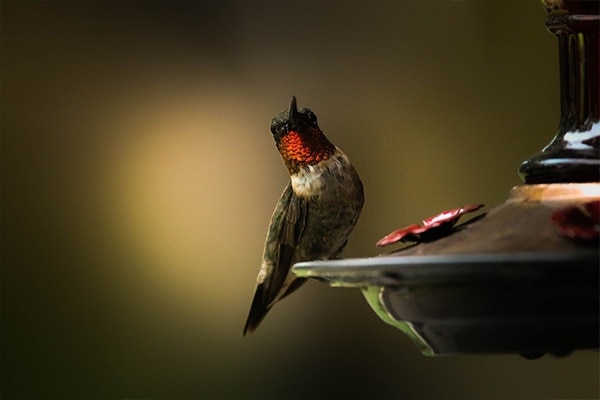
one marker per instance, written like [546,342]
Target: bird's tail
[259,308]
[261,304]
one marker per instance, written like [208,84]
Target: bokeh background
[139,176]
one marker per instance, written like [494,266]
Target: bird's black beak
[293,115]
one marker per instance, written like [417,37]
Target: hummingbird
[315,214]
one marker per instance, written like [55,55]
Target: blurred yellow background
[139,176]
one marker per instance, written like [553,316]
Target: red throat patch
[305,148]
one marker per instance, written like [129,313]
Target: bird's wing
[285,231]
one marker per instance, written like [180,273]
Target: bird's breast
[324,179]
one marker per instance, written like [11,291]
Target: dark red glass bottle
[574,153]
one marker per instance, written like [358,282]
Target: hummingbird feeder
[524,277]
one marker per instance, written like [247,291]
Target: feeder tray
[509,282]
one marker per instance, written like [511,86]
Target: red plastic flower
[581,221]
[432,228]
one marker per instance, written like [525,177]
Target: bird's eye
[279,127]
[312,118]
[276,127]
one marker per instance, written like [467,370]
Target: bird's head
[299,138]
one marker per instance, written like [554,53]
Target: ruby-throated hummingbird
[315,214]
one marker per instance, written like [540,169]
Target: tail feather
[259,308]
[261,304]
